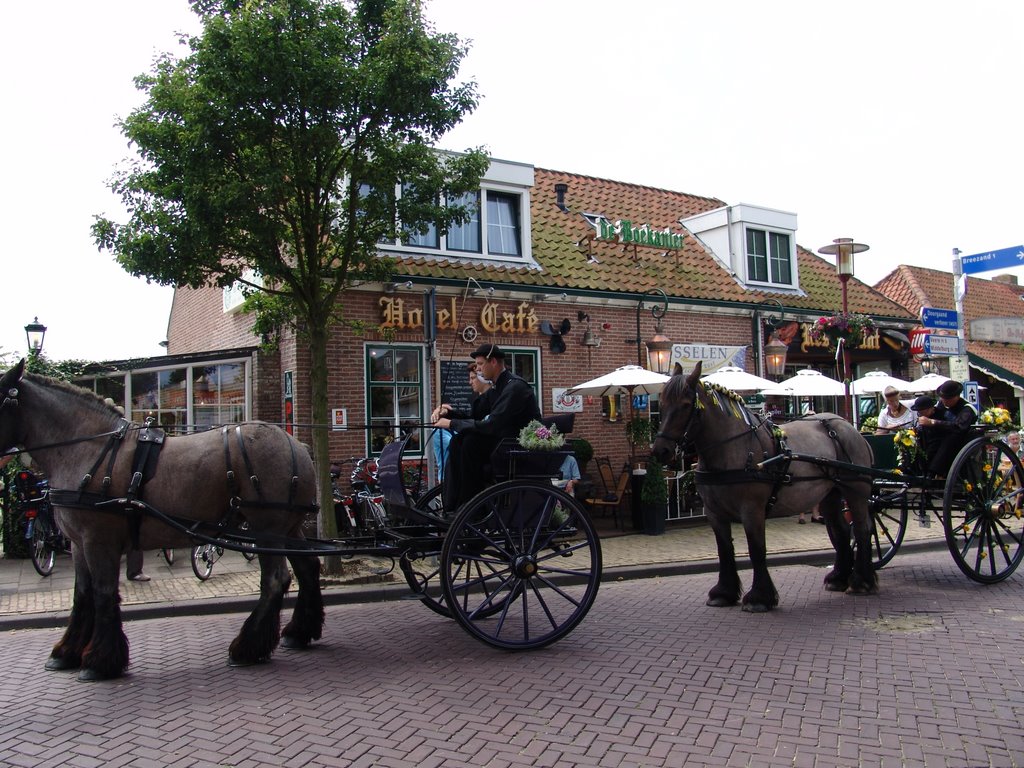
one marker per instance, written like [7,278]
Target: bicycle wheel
[203,558]
[43,552]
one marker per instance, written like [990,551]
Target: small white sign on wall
[339,419]
[563,403]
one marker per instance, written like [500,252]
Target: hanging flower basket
[851,327]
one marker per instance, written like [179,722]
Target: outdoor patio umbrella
[807,383]
[927,383]
[629,379]
[737,379]
[875,382]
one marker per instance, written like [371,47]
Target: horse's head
[9,420]
[678,403]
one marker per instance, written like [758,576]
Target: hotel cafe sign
[494,318]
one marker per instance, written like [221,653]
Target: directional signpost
[941,345]
[1000,259]
[943,319]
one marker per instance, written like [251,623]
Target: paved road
[927,673]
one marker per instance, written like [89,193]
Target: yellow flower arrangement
[906,445]
[998,418]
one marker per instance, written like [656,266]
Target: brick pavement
[925,674]
[27,599]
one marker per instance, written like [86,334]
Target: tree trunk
[327,527]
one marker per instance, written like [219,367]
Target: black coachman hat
[489,351]
[922,403]
[949,388]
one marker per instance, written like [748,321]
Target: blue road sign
[946,319]
[943,346]
[1001,259]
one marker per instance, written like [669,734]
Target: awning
[995,371]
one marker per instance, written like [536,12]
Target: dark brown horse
[732,444]
[88,451]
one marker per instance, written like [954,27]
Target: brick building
[548,250]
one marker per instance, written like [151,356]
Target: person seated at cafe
[895,416]
[948,428]
[514,406]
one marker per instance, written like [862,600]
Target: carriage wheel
[888,527]
[529,550]
[983,510]
[422,567]
[43,552]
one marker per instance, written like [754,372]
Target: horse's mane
[726,399]
[87,398]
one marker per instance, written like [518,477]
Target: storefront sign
[711,356]
[869,343]
[494,318]
[289,403]
[563,403]
[624,231]
[1009,330]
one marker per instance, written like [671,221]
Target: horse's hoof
[756,608]
[294,643]
[862,591]
[836,586]
[56,664]
[88,675]
[720,602]
[247,662]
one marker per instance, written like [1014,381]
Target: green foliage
[275,146]
[583,450]
[654,489]
[638,431]
[65,370]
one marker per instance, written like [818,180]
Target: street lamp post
[35,332]
[843,248]
[659,348]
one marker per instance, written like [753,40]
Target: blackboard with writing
[454,385]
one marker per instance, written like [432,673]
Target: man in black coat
[948,429]
[512,407]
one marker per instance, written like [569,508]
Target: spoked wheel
[983,510]
[203,558]
[529,550]
[430,503]
[43,552]
[888,526]
[422,571]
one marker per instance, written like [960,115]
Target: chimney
[1006,279]
[560,189]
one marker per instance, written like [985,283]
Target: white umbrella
[629,379]
[874,382]
[927,383]
[737,379]
[807,383]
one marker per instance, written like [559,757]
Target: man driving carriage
[512,406]
[946,428]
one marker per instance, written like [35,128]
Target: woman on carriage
[895,416]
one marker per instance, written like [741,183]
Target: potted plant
[638,433]
[654,498]
[584,452]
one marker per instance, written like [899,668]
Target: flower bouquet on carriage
[908,450]
[998,418]
[850,326]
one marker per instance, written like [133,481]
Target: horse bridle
[695,423]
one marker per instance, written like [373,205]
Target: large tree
[275,147]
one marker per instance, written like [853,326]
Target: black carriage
[980,504]
[518,566]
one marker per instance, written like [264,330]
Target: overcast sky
[897,124]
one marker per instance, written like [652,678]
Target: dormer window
[768,257]
[757,245]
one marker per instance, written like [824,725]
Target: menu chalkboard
[454,385]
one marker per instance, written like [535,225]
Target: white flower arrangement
[536,437]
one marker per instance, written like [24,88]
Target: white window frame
[769,233]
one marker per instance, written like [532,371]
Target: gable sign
[624,231]
[1009,330]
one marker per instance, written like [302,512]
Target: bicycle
[203,558]
[41,530]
